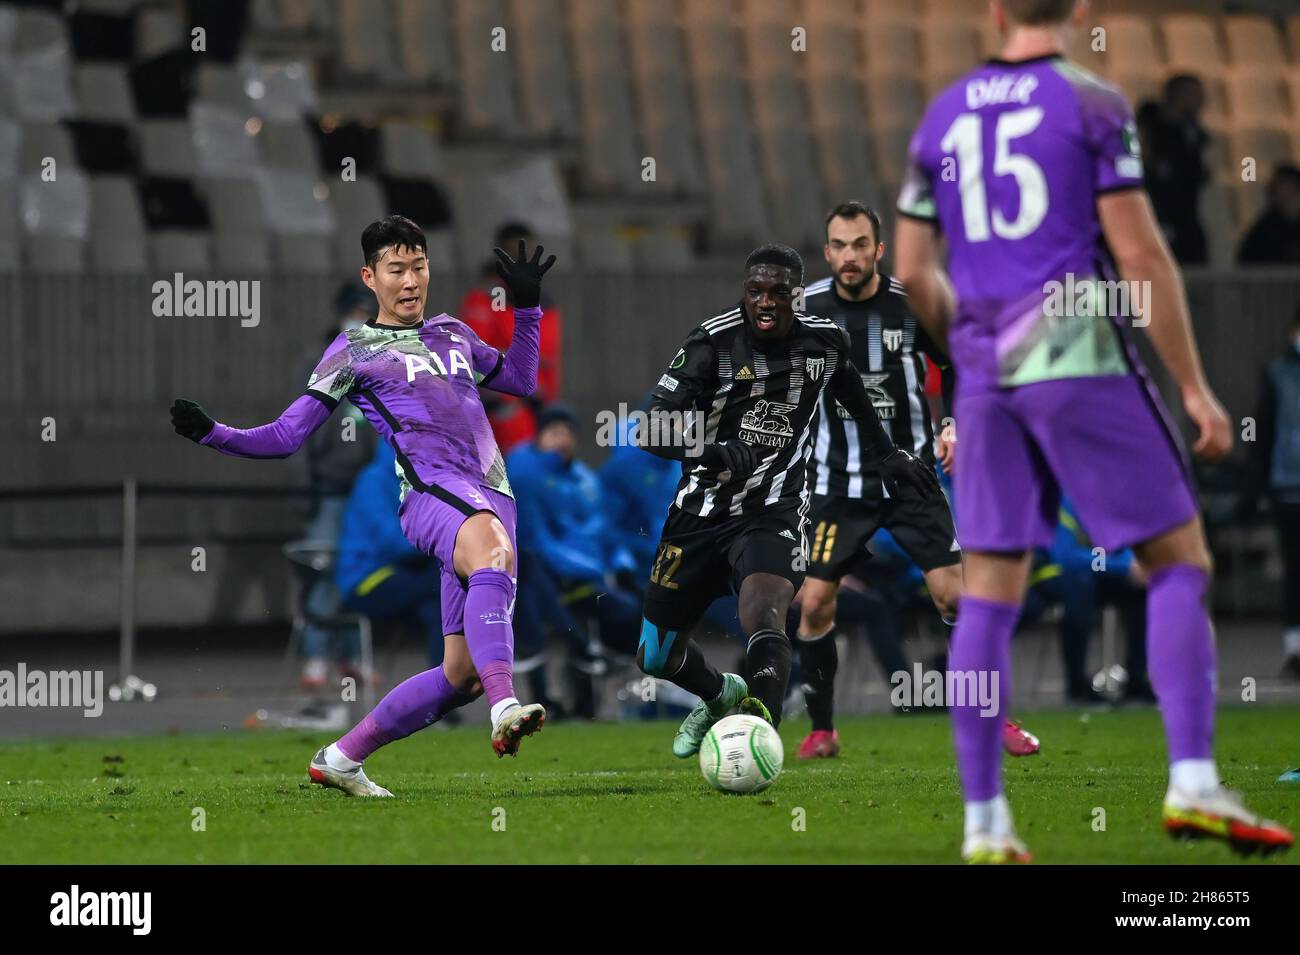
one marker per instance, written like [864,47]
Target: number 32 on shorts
[667,561]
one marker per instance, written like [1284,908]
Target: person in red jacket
[486,308]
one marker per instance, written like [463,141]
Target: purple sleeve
[1111,134]
[916,197]
[513,372]
[279,439]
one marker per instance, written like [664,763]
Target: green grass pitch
[614,793]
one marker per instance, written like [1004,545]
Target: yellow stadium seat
[1254,43]
[1192,44]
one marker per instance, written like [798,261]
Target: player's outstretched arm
[516,371]
[1141,254]
[279,439]
[916,253]
[903,472]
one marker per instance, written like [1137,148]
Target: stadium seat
[664,98]
[280,90]
[289,145]
[778,100]
[1292,80]
[237,206]
[423,28]
[794,189]
[664,250]
[117,232]
[41,141]
[303,253]
[1192,44]
[677,163]
[40,69]
[1267,145]
[366,49]
[834,48]
[356,205]
[167,148]
[545,75]
[835,101]
[719,97]
[769,48]
[307,15]
[11,138]
[60,208]
[890,145]
[845,160]
[292,203]
[241,253]
[1254,43]
[597,36]
[1257,99]
[176,250]
[951,9]
[604,251]
[610,163]
[736,194]
[158,31]
[951,49]
[904,103]
[220,84]
[1293,37]
[1137,85]
[223,142]
[104,93]
[1131,43]
[54,255]
[10,238]
[712,43]
[889,48]
[486,84]
[780,12]
[407,149]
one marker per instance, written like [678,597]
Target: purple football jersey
[419,387]
[1009,161]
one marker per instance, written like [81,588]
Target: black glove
[734,455]
[905,474]
[189,420]
[524,276]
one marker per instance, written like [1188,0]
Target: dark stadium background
[225,164]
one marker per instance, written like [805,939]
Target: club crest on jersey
[893,338]
[886,407]
[814,366]
[768,424]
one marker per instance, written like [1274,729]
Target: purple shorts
[1104,443]
[431,519]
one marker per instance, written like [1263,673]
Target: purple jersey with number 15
[1009,161]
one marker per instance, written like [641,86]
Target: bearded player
[745,388]
[1029,167]
[417,381]
[849,500]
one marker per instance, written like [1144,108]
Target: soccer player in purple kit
[1030,167]
[417,381]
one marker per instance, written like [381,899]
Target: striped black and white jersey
[726,387]
[889,350]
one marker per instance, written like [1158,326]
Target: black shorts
[703,558]
[841,526]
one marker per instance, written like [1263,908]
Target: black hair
[512,232]
[774,253]
[851,210]
[1180,82]
[396,232]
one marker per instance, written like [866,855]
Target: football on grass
[741,754]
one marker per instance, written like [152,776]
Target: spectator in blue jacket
[1082,580]
[378,572]
[638,489]
[571,560]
